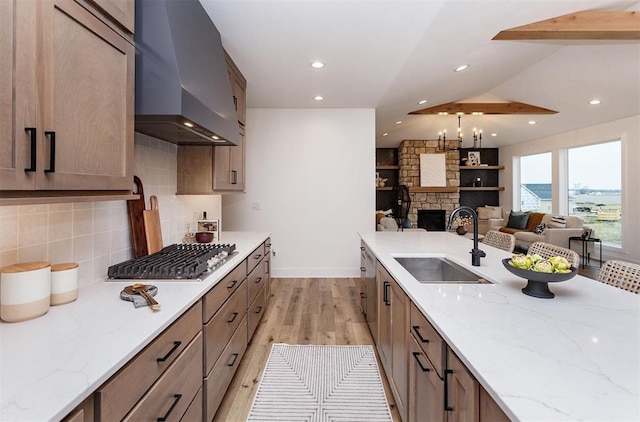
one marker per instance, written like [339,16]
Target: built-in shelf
[387,167]
[486,188]
[436,189]
[481,167]
[385,188]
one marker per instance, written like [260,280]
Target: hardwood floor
[300,311]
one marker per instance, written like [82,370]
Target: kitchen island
[574,357]
[50,364]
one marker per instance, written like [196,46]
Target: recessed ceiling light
[385,134]
[532,122]
[317,65]
[494,134]
[422,102]
[594,102]
[461,68]
[477,113]
[215,137]
[188,124]
[442,113]
[398,122]
[318,98]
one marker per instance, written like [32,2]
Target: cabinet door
[426,389]
[384,318]
[122,11]
[489,409]
[17,34]
[399,353]
[87,75]
[463,392]
[229,167]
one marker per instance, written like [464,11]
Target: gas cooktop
[174,262]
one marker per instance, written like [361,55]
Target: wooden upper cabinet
[78,74]
[121,12]
[238,88]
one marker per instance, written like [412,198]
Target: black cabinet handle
[446,390]
[234,315]
[363,269]
[233,283]
[32,140]
[235,102]
[362,248]
[385,294]
[176,399]
[52,153]
[362,295]
[258,280]
[176,344]
[233,362]
[258,256]
[234,177]
[258,309]
[416,329]
[415,355]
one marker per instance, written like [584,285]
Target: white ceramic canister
[64,283]
[25,291]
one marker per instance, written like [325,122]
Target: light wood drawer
[194,412]
[170,397]
[255,312]
[428,339]
[267,247]
[219,330]
[254,258]
[120,393]
[221,291]
[256,280]
[216,384]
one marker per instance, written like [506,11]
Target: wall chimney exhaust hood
[183,93]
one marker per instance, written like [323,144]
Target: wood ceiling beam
[585,25]
[485,108]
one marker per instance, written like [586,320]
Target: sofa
[530,227]
[489,218]
[390,224]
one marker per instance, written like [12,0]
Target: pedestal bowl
[538,283]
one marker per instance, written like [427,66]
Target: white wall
[311,172]
[628,130]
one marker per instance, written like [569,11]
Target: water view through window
[595,189]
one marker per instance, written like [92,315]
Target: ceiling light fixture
[318,98]
[594,102]
[215,137]
[442,138]
[422,102]
[317,65]
[461,68]
[532,122]
[385,134]
[494,134]
[188,124]
[398,122]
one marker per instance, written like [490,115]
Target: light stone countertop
[50,364]
[573,357]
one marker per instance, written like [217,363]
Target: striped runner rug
[320,383]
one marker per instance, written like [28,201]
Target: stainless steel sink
[439,270]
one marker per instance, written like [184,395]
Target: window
[535,182]
[595,189]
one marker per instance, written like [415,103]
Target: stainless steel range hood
[183,93]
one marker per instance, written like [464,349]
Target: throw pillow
[484,213]
[535,218]
[540,228]
[558,222]
[518,220]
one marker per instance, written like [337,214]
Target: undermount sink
[439,270]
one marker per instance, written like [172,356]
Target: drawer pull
[176,399]
[233,317]
[362,296]
[52,153]
[385,293]
[446,390]
[233,283]
[258,280]
[32,139]
[258,309]
[416,329]
[176,344]
[233,362]
[415,355]
[258,256]
[363,269]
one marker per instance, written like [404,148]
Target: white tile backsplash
[98,234]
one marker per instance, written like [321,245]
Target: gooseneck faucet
[476,253]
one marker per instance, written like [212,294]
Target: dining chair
[500,240]
[547,250]
[621,274]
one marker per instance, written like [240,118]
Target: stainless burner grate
[184,261]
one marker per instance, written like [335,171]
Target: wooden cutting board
[135,209]
[153,233]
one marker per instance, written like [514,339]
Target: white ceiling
[389,54]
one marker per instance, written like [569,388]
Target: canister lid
[64,267]
[25,267]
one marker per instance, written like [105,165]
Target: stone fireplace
[428,198]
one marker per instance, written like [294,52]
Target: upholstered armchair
[489,218]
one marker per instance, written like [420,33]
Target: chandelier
[442,138]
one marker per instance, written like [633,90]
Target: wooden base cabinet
[426,388]
[462,392]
